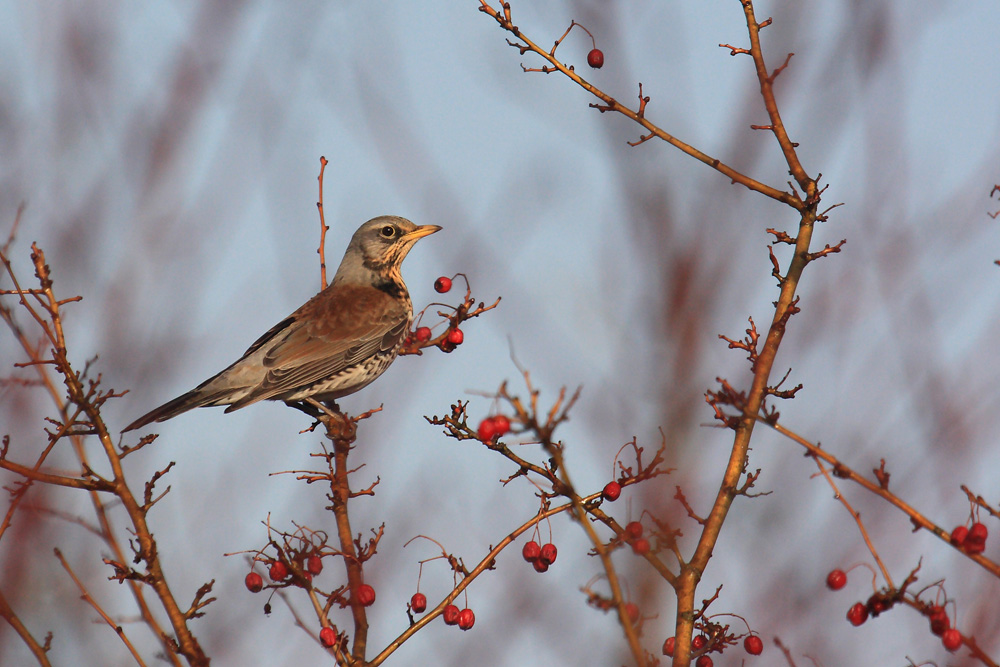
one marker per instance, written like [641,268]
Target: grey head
[377,250]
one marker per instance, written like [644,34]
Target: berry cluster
[633,534]
[447,341]
[493,427]
[539,556]
[464,619]
[454,338]
[859,612]
[951,638]
[972,540]
[305,568]
[752,644]
[451,614]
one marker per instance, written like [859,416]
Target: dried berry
[254,582]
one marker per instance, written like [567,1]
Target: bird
[336,343]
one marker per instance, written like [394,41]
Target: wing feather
[320,340]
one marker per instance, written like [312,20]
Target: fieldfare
[338,342]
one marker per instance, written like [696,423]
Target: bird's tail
[195,398]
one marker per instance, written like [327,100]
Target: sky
[167,157]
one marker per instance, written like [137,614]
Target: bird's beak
[420,232]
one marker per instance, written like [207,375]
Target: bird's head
[377,250]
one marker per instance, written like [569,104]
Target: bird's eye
[388,231]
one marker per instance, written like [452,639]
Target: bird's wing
[339,327]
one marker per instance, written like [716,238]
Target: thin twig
[89,599]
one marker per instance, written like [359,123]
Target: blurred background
[167,156]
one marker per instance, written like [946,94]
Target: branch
[608,103]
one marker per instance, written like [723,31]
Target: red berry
[548,553]
[975,543]
[612,491]
[632,611]
[939,620]
[753,645]
[952,639]
[501,424]
[857,614]
[531,551]
[455,336]
[365,595]
[540,565]
[451,615]
[278,571]
[836,580]
[442,284]
[422,334]
[668,647]
[595,58]
[254,582]
[307,576]
[958,535]
[314,564]
[328,636]
[487,429]
[703,661]
[698,642]
[633,530]
[466,619]
[418,603]
[978,532]
[641,546]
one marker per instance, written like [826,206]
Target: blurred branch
[85,594]
[38,650]
[79,415]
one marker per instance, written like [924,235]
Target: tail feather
[195,398]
